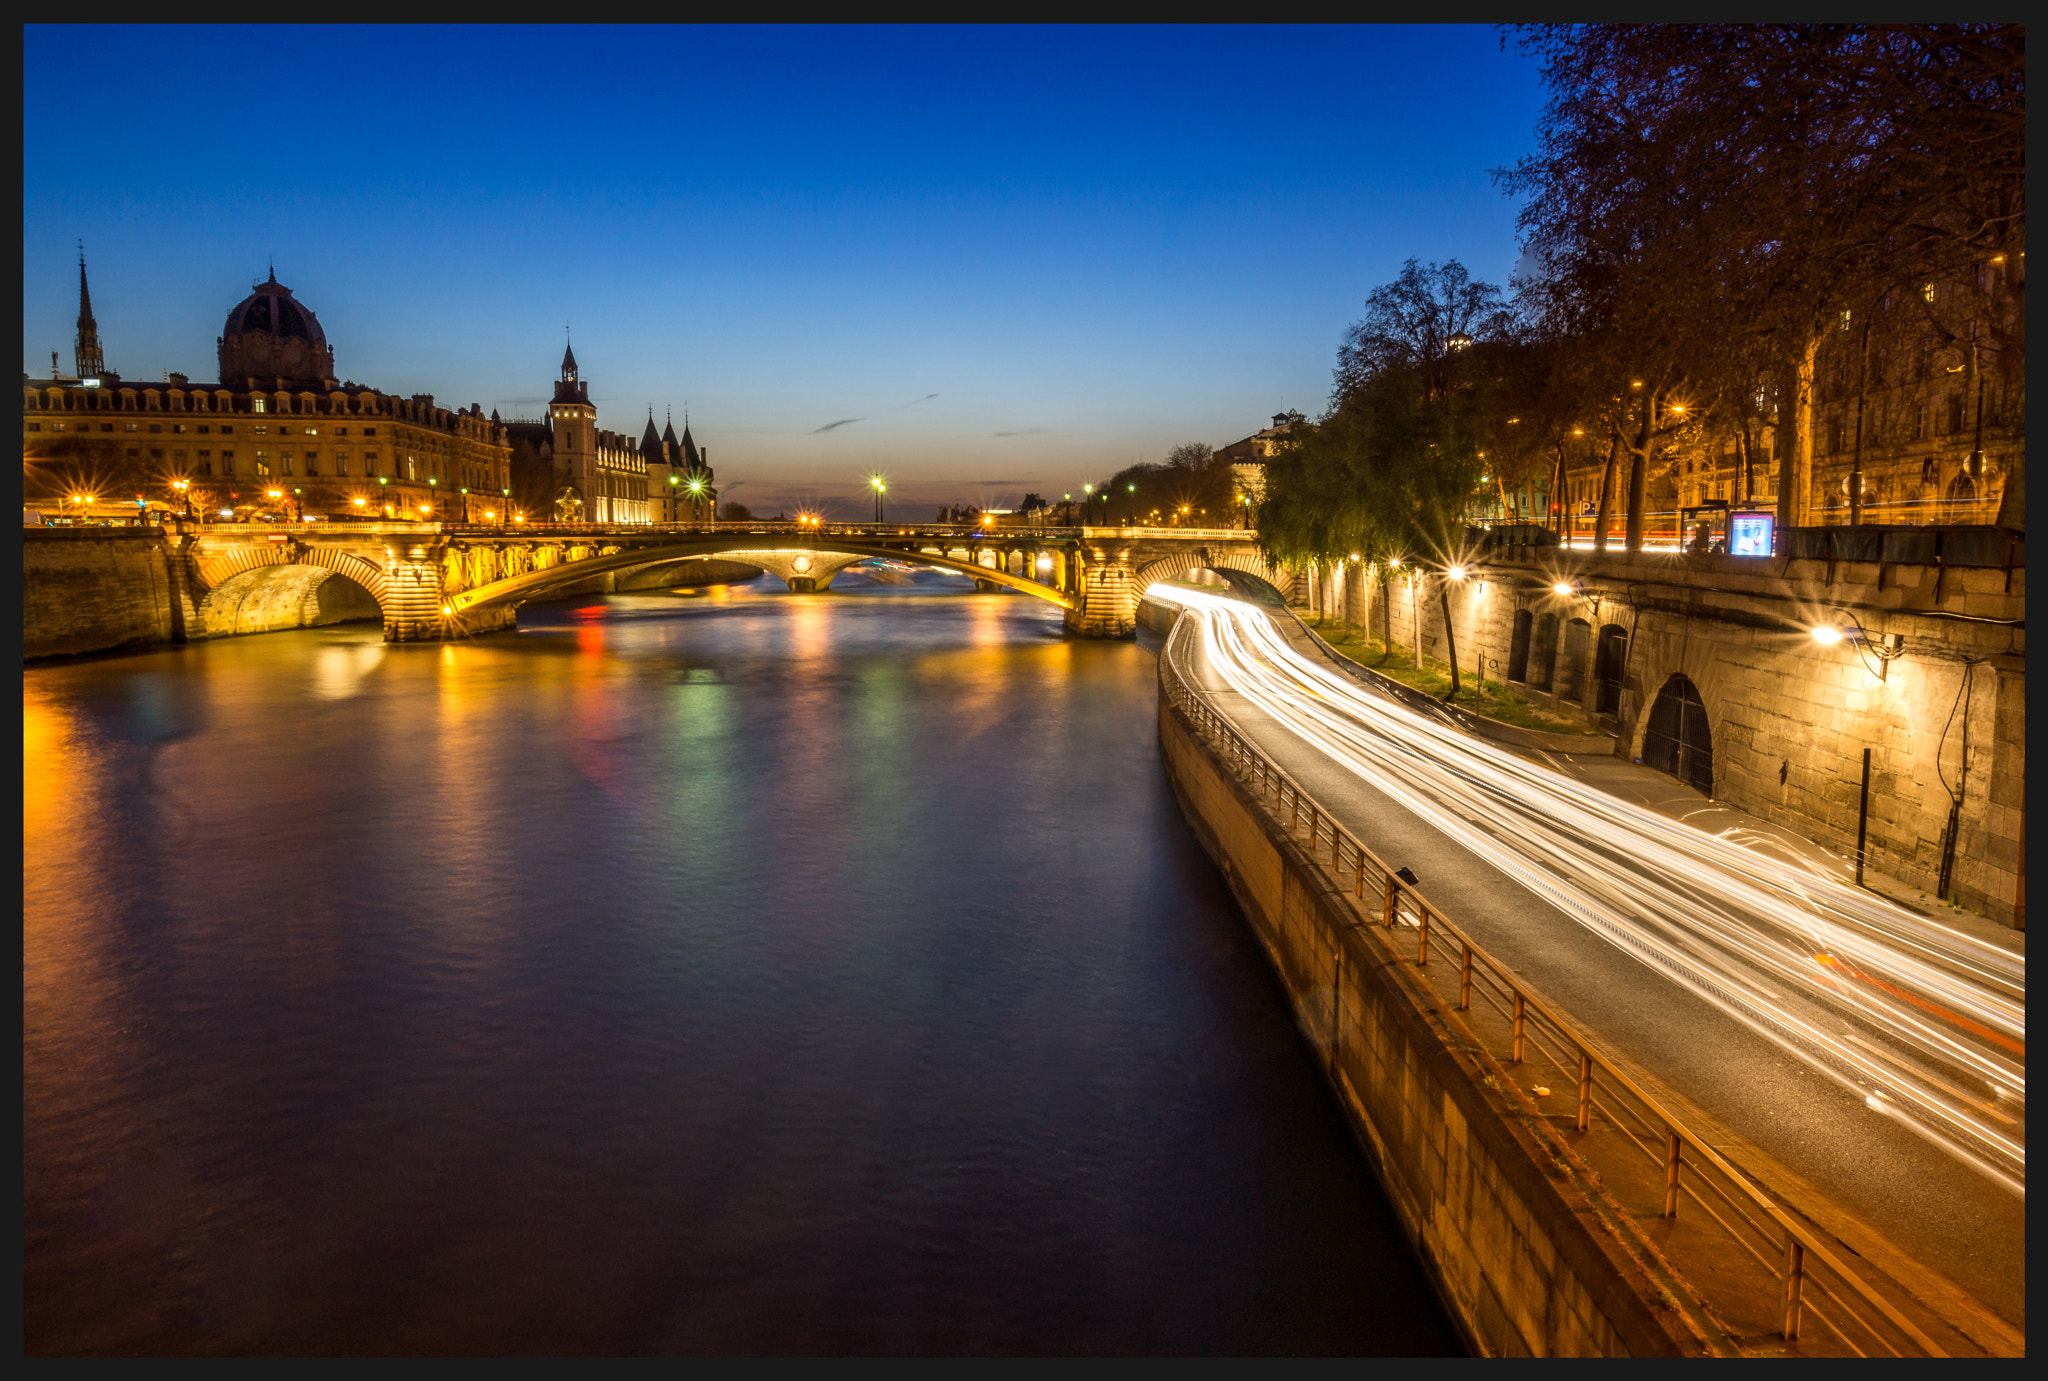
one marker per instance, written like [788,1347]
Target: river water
[723,971]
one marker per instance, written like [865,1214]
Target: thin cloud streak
[842,422]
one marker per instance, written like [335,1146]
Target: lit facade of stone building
[290,441]
[1943,425]
[599,476]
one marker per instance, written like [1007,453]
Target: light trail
[1926,1024]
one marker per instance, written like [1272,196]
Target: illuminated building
[278,436]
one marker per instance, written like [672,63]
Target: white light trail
[1926,1023]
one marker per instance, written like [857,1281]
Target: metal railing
[1758,1272]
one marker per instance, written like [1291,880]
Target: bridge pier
[1108,606]
[412,598]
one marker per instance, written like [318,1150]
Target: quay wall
[1786,719]
[1516,1246]
[93,590]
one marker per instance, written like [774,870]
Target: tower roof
[568,361]
[86,355]
[650,443]
[688,448]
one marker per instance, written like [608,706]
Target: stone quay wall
[1786,718]
[1516,1246]
[93,589]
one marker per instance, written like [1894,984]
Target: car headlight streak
[1890,1004]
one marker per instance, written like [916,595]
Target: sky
[980,261]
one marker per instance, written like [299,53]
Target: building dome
[271,335]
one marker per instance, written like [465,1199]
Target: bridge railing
[1760,1277]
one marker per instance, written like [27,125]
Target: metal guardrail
[1634,1147]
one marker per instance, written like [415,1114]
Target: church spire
[86,355]
[568,361]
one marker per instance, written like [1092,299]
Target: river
[703,972]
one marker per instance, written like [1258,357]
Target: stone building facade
[1916,390]
[581,473]
[290,442]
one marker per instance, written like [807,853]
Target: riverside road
[1958,1220]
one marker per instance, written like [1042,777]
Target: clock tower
[574,422]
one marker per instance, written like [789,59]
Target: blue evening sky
[1014,258]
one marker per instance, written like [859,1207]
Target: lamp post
[880,488]
[184,488]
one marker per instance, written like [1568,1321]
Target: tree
[1766,177]
[735,512]
[1410,323]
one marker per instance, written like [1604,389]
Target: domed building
[269,335]
[279,438]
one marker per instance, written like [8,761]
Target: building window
[156,453]
[1955,413]
[203,430]
[156,426]
[263,431]
[227,462]
[369,462]
[37,426]
[256,405]
[369,431]
[130,426]
[341,462]
[104,426]
[263,462]
[178,427]
[341,431]
[226,428]
[133,454]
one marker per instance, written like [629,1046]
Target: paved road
[1554,876]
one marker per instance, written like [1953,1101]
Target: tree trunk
[1606,494]
[1638,463]
[1794,437]
[2012,503]
[1387,615]
[1556,491]
[1443,594]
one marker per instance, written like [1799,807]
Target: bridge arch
[289,585]
[1258,578]
[805,560]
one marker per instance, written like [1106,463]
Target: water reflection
[734,973]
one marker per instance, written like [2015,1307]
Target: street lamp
[384,495]
[184,488]
[880,488]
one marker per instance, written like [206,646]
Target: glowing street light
[880,487]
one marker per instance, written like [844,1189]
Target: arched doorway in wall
[1679,740]
[1578,634]
[1543,655]
[1518,646]
[1608,661]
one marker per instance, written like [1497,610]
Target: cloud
[1025,431]
[842,422]
[915,401]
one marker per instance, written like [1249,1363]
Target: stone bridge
[430,581]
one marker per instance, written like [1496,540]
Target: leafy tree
[735,512]
[1709,190]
